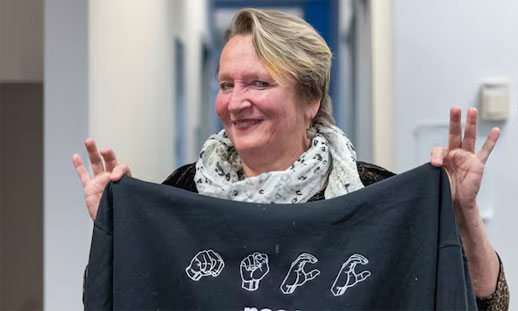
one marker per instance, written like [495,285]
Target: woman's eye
[260,84]
[225,86]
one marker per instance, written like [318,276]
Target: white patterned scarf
[331,159]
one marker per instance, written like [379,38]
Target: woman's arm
[465,169]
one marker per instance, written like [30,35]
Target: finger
[437,156]
[95,158]
[216,261]
[263,258]
[305,257]
[110,160]
[215,255]
[357,258]
[196,263]
[118,171]
[312,274]
[455,132]
[362,276]
[81,170]
[470,132]
[205,260]
[212,254]
[217,266]
[489,144]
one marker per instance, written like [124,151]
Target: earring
[311,132]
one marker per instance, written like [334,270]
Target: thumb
[312,274]
[437,156]
[362,276]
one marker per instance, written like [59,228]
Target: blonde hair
[291,49]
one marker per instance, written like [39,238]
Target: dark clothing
[183,178]
[393,245]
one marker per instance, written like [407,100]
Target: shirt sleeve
[499,300]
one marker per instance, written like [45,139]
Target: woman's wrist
[470,221]
[482,259]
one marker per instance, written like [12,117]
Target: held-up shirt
[392,245]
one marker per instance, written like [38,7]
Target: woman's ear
[312,109]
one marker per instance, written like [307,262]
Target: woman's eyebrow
[245,76]
[223,76]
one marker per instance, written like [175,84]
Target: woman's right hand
[93,186]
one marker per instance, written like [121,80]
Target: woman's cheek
[220,107]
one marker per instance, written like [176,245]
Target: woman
[279,133]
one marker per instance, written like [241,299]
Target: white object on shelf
[495,100]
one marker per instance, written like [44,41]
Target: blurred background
[139,77]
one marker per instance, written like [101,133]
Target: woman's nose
[239,100]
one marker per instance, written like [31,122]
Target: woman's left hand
[465,169]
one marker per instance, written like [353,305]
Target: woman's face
[261,117]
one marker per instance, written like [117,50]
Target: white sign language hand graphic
[297,276]
[347,277]
[205,263]
[253,269]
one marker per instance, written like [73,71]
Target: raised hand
[205,263]
[297,276]
[464,167]
[348,277]
[253,269]
[93,186]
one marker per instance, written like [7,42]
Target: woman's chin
[248,148]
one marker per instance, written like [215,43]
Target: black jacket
[369,173]
[184,178]
[391,246]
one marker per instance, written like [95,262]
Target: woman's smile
[246,124]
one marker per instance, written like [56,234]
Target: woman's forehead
[239,58]
[239,44]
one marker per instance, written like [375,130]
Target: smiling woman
[280,144]
[248,105]
[283,61]
[273,101]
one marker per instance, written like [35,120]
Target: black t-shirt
[392,245]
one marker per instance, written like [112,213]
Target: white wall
[109,75]
[66,221]
[443,50]
[21,40]
[131,83]
[194,33]
[382,83]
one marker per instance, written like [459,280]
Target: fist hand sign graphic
[253,269]
[348,277]
[297,276]
[205,263]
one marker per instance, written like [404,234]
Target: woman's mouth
[245,124]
